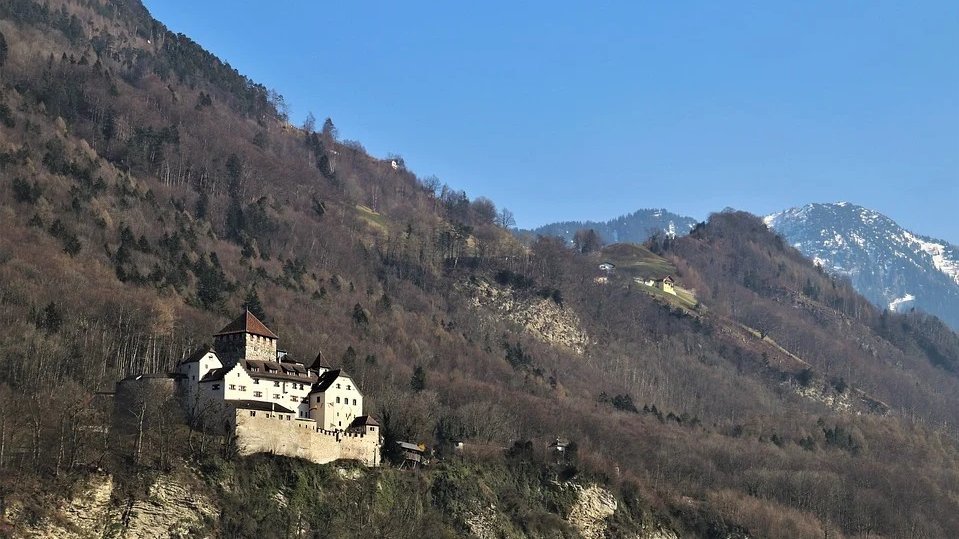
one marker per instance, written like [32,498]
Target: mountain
[893,267]
[635,227]
[148,191]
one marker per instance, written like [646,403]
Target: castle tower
[245,338]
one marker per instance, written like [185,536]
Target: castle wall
[262,434]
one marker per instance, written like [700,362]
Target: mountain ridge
[892,266]
[635,227]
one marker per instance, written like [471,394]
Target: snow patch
[937,251]
[897,303]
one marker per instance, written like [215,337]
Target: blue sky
[562,111]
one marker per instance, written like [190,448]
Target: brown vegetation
[147,188]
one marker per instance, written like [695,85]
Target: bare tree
[505,219]
[309,124]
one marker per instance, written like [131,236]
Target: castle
[244,386]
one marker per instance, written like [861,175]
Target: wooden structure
[413,455]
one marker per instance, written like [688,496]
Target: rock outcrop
[593,506]
[172,509]
[542,318]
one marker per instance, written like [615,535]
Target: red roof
[247,323]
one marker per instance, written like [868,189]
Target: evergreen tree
[360,316]
[235,222]
[349,360]
[3,50]
[252,304]
[202,206]
[329,132]
[418,380]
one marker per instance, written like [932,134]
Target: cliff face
[543,318]
[172,508]
[191,504]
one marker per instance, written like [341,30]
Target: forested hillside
[634,227]
[148,191]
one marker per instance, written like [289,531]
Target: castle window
[242,388]
[256,380]
[337,386]
[252,413]
[371,429]
[257,393]
[337,400]
[232,387]
[348,386]
[216,387]
[276,384]
[354,402]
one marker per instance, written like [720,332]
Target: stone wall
[293,438]
[261,348]
[236,346]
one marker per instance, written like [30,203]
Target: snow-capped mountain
[893,267]
[635,227]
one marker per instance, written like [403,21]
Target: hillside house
[607,267]
[272,403]
[666,285]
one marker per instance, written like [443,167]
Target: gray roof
[197,355]
[325,381]
[409,447]
[327,378]
[261,406]
[363,421]
[154,376]
[276,370]
[214,375]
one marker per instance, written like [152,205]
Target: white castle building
[273,403]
